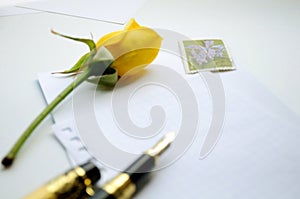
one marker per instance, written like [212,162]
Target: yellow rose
[135,46]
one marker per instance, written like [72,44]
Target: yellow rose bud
[135,46]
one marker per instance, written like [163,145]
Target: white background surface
[263,37]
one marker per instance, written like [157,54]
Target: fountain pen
[132,179]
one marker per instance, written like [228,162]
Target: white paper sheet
[5,3]
[12,10]
[257,155]
[116,11]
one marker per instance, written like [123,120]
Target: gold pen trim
[161,146]
[68,185]
[120,187]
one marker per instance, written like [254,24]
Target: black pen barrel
[101,194]
[139,171]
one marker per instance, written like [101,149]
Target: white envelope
[256,156]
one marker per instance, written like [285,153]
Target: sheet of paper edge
[65,8]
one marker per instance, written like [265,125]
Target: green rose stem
[9,158]
[95,63]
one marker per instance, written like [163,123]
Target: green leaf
[79,64]
[88,42]
[98,59]
[108,79]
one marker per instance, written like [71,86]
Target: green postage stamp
[205,55]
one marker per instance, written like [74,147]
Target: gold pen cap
[73,184]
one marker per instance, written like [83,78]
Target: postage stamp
[205,55]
